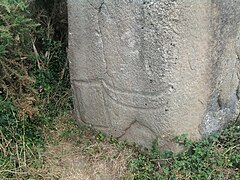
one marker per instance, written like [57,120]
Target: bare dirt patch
[81,157]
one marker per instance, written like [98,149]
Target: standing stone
[145,70]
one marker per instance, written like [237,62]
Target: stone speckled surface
[146,70]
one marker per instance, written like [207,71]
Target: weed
[34,87]
[215,157]
[21,141]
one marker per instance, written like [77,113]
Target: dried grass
[68,160]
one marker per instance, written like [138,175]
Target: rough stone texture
[146,70]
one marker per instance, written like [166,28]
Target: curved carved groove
[133,99]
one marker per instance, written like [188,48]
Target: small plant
[16,33]
[34,86]
[21,141]
[215,157]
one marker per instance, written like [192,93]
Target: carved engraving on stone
[143,70]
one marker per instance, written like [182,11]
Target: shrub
[34,83]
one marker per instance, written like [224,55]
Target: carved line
[101,81]
[144,98]
[145,94]
[110,92]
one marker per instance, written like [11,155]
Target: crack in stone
[237,92]
[107,115]
[131,124]
[96,8]
[102,42]
[100,7]
[219,102]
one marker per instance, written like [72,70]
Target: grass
[39,139]
[78,152]
[82,154]
[91,154]
[56,147]
[215,157]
